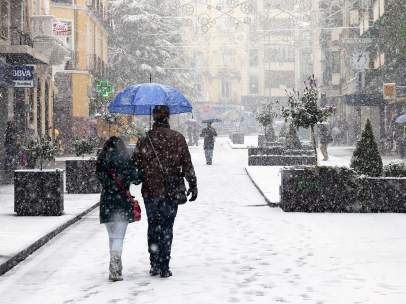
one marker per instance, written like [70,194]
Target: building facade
[83,25]
[357,50]
[28,51]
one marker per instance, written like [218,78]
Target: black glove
[193,191]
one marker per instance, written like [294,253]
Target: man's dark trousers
[161,215]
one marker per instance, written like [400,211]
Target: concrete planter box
[264,142]
[38,192]
[278,150]
[81,177]
[281,160]
[237,138]
[330,189]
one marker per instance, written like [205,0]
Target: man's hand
[193,191]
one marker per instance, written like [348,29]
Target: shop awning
[6,75]
[367,100]
[23,54]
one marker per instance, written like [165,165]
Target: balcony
[20,50]
[46,41]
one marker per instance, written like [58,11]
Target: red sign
[61,29]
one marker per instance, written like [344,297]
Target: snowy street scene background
[202,151]
[228,248]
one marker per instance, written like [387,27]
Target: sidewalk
[20,236]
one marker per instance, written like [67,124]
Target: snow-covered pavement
[226,250]
[17,233]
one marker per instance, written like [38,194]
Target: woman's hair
[114,146]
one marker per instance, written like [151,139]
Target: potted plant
[266,118]
[39,191]
[365,187]
[304,111]
[81,173]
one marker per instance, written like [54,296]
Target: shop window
[225,89]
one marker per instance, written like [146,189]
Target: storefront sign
[389,91]
[23,76]
[61,28]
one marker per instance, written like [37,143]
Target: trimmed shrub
[394,170]
[85,146]
[366,158]
[319,189]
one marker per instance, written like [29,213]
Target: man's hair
[160,113]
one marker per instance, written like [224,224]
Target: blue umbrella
[401,119]
[140,99]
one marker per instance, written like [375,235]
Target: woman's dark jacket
[113,203]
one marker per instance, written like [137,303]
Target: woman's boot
[115,269]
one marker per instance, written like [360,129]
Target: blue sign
[23,76]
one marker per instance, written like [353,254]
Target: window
[276,79]
[63,1]
[253,54]
[4,20]
[336,62]
[225,88]
[282,53]
[253,89]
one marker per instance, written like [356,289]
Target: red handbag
[136,208]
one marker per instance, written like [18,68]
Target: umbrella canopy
[401,119]
[141,99]
[211,120]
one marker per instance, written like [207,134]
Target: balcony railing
[18,37]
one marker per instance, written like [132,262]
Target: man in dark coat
[168,148]
[209,134]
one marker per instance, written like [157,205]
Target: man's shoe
[154,271]
[166,273]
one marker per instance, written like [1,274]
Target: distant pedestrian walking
[325,138]
[164,158]
[114,168]
[209,134]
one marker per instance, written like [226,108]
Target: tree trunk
[313,135]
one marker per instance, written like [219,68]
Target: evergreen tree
[366,158]
[304,110]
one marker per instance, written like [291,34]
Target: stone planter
[278,150]
[263,142]
[38,192]
[237,138]
[81,177]
[281,160]
[331,189]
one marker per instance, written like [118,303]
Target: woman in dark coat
[115,210]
